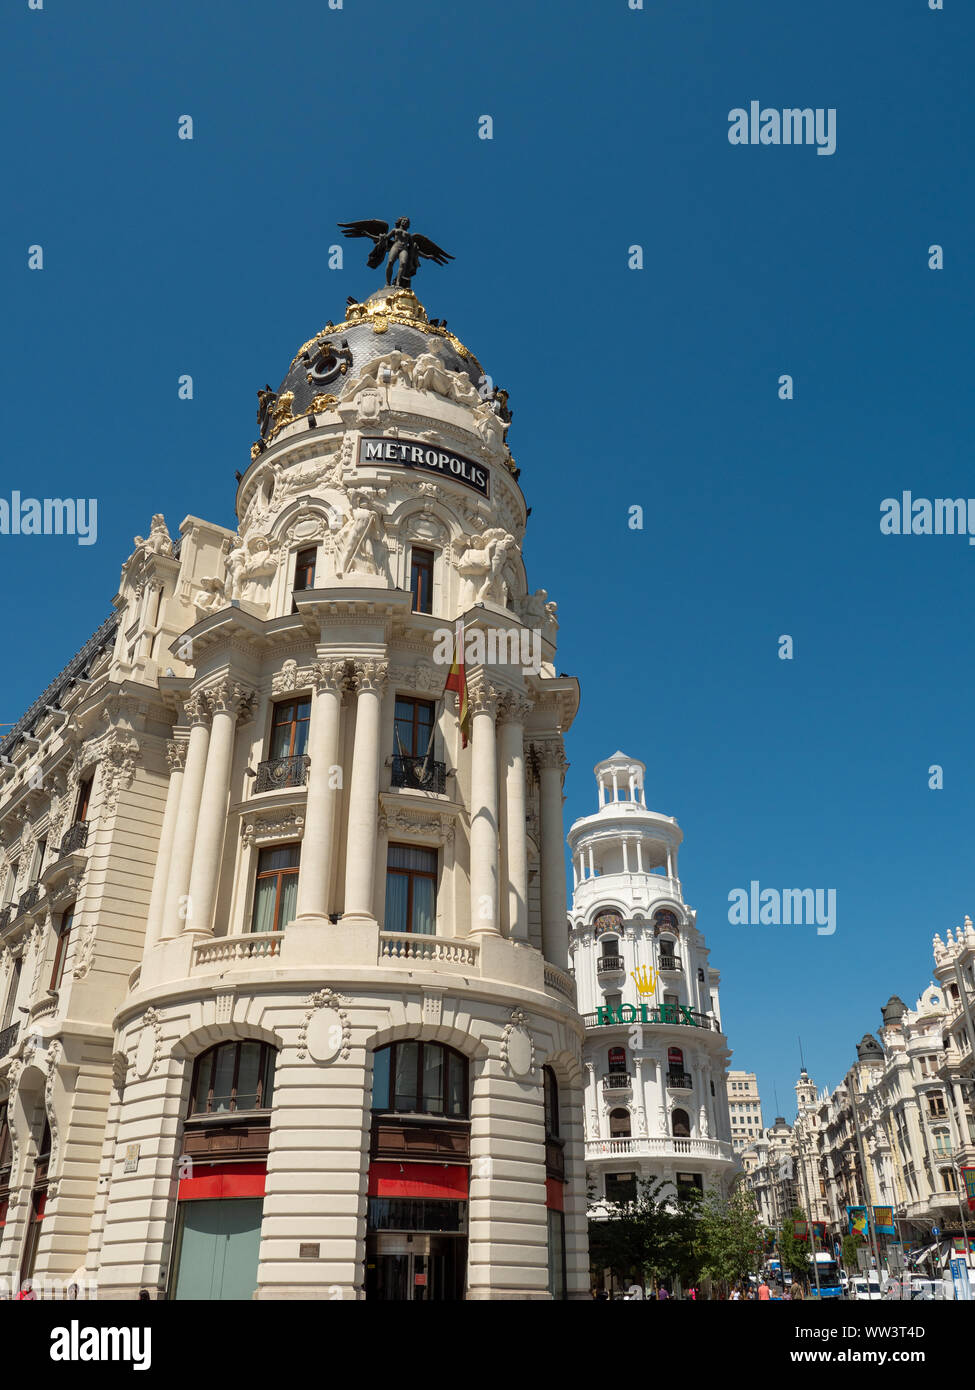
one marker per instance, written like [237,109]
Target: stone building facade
[655,1054]
[310,1030]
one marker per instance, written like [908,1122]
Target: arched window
[551,1103]
[664,921]
[619,1124]
[233,1077]
[680,1124]
[420,1078]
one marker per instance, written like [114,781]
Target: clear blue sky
[656,388]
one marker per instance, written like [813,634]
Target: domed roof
[893,1010]
[869,1048]
[389,320]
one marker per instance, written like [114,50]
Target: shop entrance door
[416,1269]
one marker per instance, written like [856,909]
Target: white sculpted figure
[351,556]
[257,569]
[482,562]
[159,541]
[212,599]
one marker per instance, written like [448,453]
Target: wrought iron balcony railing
[29,898]
[679,1081]
[278,773]
[617,1081]
[419,774]
[8,1037]
[74,838]
[609,965]
[5,917]
[670,963]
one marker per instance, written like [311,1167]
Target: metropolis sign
[410,453]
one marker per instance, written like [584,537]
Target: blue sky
[655,387]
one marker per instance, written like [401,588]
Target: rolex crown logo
[646,981]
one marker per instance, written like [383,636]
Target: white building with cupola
[285,1009]
[656,1056]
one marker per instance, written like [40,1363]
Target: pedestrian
[145,1296]
[736,1294]
[796,1290]
[764,1292]
[27,1292]
[662,1293]
[692,1295]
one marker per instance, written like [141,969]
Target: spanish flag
[457,681]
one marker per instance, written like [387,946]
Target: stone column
[485,916]
[626,859]
[639,856]
[228,701]
[176,757]
[514,712]
[197,710]
[360,867]
[552,765]
[323,751]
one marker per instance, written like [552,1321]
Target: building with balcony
[284,975]
[656,1105]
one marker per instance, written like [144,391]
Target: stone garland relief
[320,1036]
[518,1046]
[86,954]
[54,1053]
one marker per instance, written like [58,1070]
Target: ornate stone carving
[328,1042]
[159,541]
[149,1049]
[230,696]
[364,519]
[484,697]
[175,755]
[196,708]
[266,829]
[518,1045]
[371,674]
[119,758]
[54,1055]
[397,820]
[550,754]
[120,1067]
[330,675]
[291,677]
[514,708]
[482,562]
[86,954]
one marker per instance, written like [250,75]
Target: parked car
[914,1289]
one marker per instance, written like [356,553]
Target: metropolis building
[283,955]
[655,1058]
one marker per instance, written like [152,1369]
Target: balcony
[75,838]
[418,774]
[5,917]
[617,1081]
[671,965]
[29,899]
[276,774]
[680,1081]
[609,965]
[666,1146]
[654,1014]
[415,946]
[7,1038]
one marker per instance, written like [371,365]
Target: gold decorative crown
[646,982]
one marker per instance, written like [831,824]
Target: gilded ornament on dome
[323,402]
[380,323]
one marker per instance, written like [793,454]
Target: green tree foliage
[848,1250]
[731,1236]
[794,1253]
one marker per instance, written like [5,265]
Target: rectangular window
[421,580]
[84,798]
[37,866]
[61,950]
[404,1082]
[276,889]
[411,890]
[289,728]
[8,1008]
[621,1187]
[305,562]
[556,1254]
[412,727]
[10,883]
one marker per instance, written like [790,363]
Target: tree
[731,1235]
[849,1248]
[794,1253]
[654,1237]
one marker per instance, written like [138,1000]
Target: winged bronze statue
[403,248]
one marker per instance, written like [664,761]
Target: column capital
[484,697]
[176,755]
[550,753]
[330,675]
[371,674]
[514,707]
[231,696]
[196,708]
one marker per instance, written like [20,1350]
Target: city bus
[829,1276]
